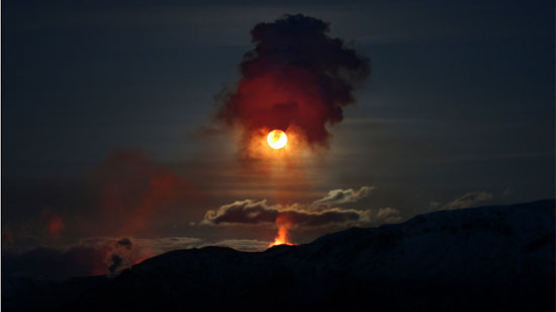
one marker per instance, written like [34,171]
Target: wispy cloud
[469,200]
[343,196]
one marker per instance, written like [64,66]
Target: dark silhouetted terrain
[498,258]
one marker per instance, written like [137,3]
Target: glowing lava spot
[277,139]
[283,228]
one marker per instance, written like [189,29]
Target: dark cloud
[321,212]
[125,242]
[121,256]
[255,212]
[115,265]
[296,76]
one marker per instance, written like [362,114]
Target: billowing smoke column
[297,77]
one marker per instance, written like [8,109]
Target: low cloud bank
[324,211]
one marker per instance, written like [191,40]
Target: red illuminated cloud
[7,237]
[297,75]
[54,223]
[55,226]
[133,191]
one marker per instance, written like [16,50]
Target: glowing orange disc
[277,139]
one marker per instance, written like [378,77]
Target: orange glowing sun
[277,139]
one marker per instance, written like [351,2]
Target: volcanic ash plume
[297,77]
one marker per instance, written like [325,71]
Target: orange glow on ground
[277,139]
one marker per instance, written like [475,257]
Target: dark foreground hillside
[483,259]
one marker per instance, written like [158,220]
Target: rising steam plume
[296,76]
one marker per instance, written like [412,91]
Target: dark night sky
[458,111]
